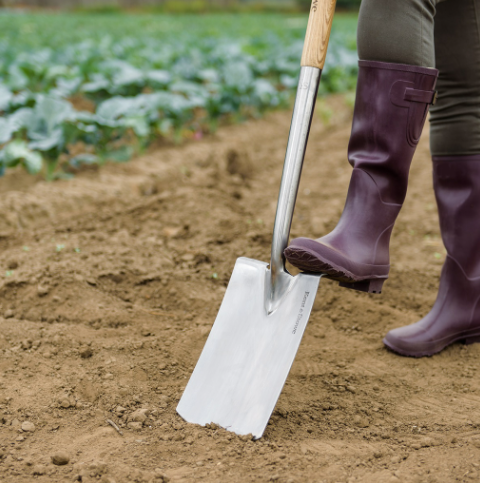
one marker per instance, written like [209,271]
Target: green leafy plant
[92,88]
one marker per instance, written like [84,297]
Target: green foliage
[209,6]
[106,9]
[192,6]
[144,77]
[17,152]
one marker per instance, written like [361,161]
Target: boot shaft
[391,106]
[456,180]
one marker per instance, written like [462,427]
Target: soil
[110,284]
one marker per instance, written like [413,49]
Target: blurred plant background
[82,82]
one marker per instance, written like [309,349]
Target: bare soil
[110,283]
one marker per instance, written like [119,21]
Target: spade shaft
[313,60]
[292,171]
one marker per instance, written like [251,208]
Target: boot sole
[309,262]
[467,340]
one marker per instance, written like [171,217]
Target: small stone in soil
[60,458]
[27,344]
[120,410]
[28,427]
[64,402]
[42,291]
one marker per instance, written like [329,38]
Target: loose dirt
[110,283]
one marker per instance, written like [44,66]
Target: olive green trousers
[433,33]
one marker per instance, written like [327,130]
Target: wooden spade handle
[318,33]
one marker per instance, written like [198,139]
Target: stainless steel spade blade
[251,347]
[248,355]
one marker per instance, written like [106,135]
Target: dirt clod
[139,416]
[9,314]
[66,401]
[85,352]
[60,458]
[42,291]
[239,163]
[135,425]
[39,470]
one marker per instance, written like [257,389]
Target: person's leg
[390,110]
[455,145]
[455,119]
[398,31]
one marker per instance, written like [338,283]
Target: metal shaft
[292,170]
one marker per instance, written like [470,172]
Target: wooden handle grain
[318,33]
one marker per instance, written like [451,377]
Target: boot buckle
[418,95]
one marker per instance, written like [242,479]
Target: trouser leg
[455,119]
[397,31]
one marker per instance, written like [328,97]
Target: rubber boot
[455,315]
[391,106]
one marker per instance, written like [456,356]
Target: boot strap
[417,95]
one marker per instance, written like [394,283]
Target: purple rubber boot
[390,110]
[455,315]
